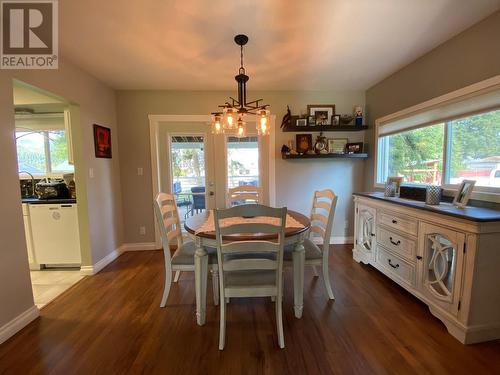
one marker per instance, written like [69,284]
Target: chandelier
[232,118]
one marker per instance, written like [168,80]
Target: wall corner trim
[92,270]
[18,323]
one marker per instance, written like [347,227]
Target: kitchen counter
[477,214]
[48,201]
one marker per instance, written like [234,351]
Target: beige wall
[469,57]
[100,196]
[295,180]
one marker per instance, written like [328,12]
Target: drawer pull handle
[394,221]
[393,242]
[419,257]
[393,265]
[373,234]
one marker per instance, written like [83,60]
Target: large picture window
[444,153]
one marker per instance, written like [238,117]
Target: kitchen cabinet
[446,257]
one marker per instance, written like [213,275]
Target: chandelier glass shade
[233,114]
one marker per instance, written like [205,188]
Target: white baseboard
[92,270]
[18,323]
[335,240]
[138,246]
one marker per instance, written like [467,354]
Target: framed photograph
[301,122]
[336,120]
[397,181]
[102,142]
[354,148]
[337,145]
[311,121]
[322,113]
[303,142]
[463,193]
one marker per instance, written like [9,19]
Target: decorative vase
[433,194]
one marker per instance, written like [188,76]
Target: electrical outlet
[142,230]
[91,172]
[140,171]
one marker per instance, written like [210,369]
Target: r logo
[29,34]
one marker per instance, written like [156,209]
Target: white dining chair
[322,215]
[251,268]
[243,195]
[167,216]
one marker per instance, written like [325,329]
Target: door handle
[393,242]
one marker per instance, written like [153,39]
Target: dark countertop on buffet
[477,214]
[48,201]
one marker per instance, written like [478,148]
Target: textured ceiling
[304,45]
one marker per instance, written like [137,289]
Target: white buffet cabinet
[450,263]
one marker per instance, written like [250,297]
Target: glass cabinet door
[441,263]
[365,239]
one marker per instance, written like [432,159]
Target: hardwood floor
[111,323]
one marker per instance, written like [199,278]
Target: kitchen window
[443,153]
[42,152]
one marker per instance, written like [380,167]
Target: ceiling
[294,45]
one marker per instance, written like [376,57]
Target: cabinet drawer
[404,224]
[400,245]
[394,265]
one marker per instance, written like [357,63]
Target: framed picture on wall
[102,141]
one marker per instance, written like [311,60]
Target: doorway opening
[46,168]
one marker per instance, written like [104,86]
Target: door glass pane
[416,155]
[440,264]
[188,174]
[475,149]
[366,229]
[31,152]
[242,161]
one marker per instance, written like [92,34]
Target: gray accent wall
[99,197]
[296,180]
[469,57]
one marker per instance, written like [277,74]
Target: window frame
[486,193]
[46,146]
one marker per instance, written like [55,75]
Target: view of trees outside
[417,155]
[31,151]
[242,161]
[188,164]
[475,149]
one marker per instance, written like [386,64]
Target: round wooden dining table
[293,237]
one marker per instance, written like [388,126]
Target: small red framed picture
[102,142]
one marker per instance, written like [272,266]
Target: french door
[199,167]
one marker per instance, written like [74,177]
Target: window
[416,155]
[242,161]
[475,149]
[444,153]
[42,152]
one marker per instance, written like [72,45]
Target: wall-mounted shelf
[327,128]
[361,155]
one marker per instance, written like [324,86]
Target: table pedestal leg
[298,278]
[200,277]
